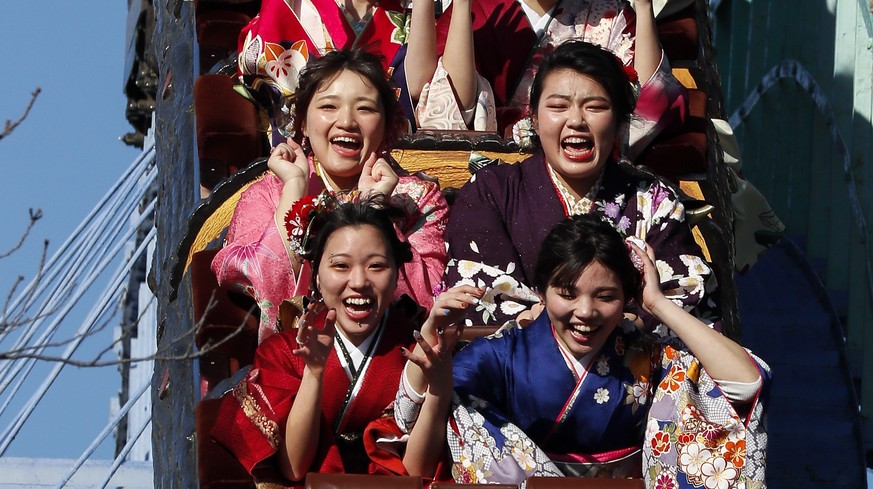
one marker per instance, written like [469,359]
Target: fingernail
[403,351]
[476,300]
[446,312]
[440,331]
[416,334]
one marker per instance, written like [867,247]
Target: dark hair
[592,61]
[577,242]
[325,69]
[373,211]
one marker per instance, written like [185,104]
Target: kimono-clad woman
[581,98]
[317,397]
[276,45]
[346,115]
[582,392]
[510,38]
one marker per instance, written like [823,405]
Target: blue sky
[61,159]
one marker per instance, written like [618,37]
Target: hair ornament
[299,219]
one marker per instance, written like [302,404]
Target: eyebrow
[569,98]
[361,98]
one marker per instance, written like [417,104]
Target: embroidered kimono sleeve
[686,278]
[661,108]
[251,419]
[427,213]
[482,253]
[438,107]
[693,428]
[254,258]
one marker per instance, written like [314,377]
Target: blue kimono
[522,410]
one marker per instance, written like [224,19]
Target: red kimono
[251,420]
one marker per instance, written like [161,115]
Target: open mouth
[577,148]
[581,332]
[359,308]
[346,145]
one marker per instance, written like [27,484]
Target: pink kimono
[254,257]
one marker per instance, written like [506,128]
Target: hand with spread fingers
[315,336]
[377,176]
[437,340]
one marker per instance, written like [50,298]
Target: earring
[304,144]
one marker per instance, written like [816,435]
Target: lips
[347,146]
[577,148]
[359,308]
[582,333]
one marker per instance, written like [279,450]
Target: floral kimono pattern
[254,258]
[277,43]
[513,419]
[501,216]
[508,52]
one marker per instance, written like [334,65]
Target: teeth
[343,139]
[582,329]
[358,301]
[576,140]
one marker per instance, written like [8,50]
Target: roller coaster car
[228,320]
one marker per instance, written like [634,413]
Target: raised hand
[651,280]
[288,162]
[377,176]
[315,343]
[439,335]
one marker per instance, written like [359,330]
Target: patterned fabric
[276,44]
[502,215]
[255,260]
[695,437]
[508,53]
[513,419]
[252,420]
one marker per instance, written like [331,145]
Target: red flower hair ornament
[298,220]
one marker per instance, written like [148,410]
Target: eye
[327,106]
[606,297]
[368,109]
[378,266]
[566,294]
[339,265]
[598,107]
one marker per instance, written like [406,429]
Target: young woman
[581,99]
[582,392]
[317,397]
[509,38]
[276,45]
[346,116]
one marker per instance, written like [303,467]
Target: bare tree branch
[20,319]
[35,215]
[10,126]
[188,339]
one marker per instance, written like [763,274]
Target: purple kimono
[504,212]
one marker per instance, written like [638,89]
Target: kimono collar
[572,205]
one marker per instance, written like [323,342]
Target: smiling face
[345,123]
[584,317]
[357,276]
[577,127]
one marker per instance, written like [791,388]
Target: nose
[358,278]
[576,117]
[584,309]
[346,117]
